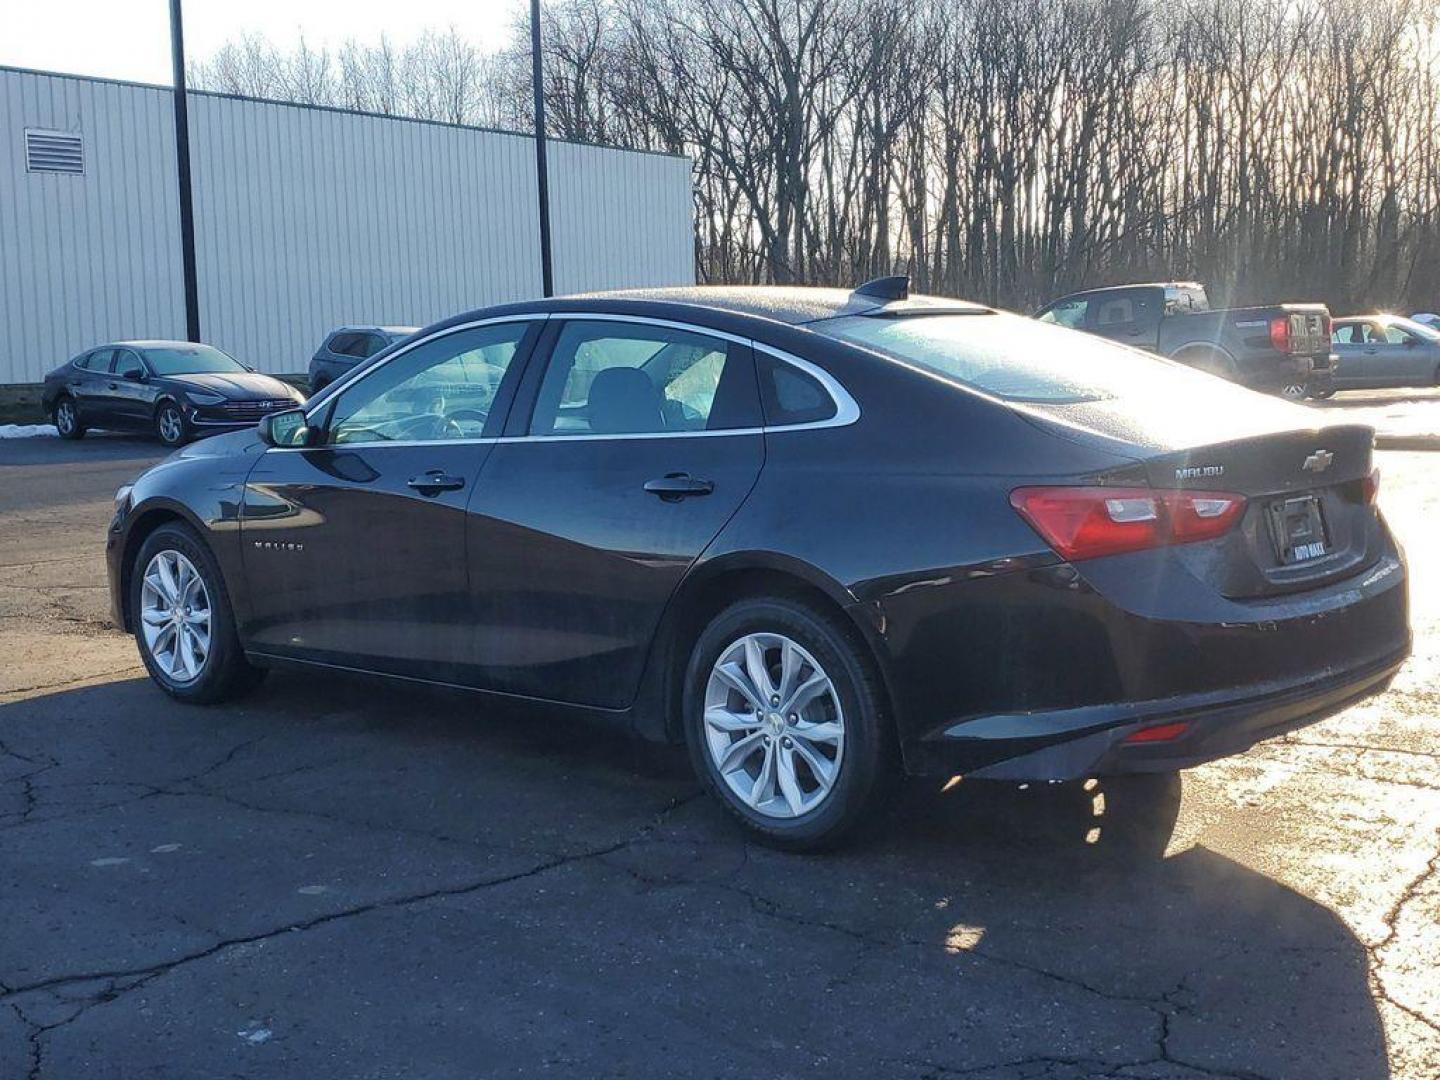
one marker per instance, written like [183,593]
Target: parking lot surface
[335,879]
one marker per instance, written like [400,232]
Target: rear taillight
[1087,522]
[1372,486]
[1280,333]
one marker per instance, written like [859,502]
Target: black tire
[67,418]
[225,673]
[171,427]
[869,764]
[1321,395]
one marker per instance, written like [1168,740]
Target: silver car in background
[1375,351]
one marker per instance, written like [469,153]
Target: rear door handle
[434,482]
[672,487]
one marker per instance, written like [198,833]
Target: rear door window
[617,378]
[346,344]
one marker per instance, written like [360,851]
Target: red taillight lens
[1087,522]
[1280,333]
[1372,486]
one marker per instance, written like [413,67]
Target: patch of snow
[26,431]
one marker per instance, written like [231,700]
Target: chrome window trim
[847,410]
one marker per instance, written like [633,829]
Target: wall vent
[54,152]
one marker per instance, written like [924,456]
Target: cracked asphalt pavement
[336,879]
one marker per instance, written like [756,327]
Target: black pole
[542,170]
[182,165]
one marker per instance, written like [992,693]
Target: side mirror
[133,374]
[288,429]
[1411,342]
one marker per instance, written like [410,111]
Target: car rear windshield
[191,360]
[1008,356]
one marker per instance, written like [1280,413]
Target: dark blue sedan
[175,389]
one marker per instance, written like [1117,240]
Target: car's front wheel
[183,621]
[170,425]
[67,419]
[786,724]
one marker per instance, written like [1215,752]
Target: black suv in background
[1280,348]
[346,346]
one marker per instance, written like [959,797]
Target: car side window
[99,360]
[126,362]
[613,378]
[1396,336]
[369,345]
[1068,313]
[1344,335]
[790,396]
[344,344]
[442,389]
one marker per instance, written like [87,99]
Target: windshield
[191,360]
[1011,357]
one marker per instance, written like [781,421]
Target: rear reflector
[1087,522]
[1158,733]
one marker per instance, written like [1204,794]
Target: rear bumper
[1245,672]
[1216,726]
[1309,371]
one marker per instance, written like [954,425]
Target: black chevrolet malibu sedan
[175,389]
[821,537]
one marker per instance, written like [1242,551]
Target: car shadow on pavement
[991,929]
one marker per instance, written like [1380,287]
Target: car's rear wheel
[1211,363]
[67,419]
[786,724]
[183,621]
[170,425]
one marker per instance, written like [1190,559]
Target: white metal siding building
[305,219]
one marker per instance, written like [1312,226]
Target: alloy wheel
[175,616]
[65,417]
[1294,391]
[171,426]
[773,725]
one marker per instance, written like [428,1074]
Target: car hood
[241,386]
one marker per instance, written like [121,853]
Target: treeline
[1002,150]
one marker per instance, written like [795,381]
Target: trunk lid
[1307,521]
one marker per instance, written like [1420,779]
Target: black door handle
[672,487]
[434,482]
[113,386]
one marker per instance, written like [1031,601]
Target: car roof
[149,343]
[789,304]
[351,328]
[1136,285]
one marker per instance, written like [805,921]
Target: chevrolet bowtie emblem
[1319,461]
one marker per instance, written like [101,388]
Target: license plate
[1298,528]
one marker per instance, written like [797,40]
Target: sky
[130,39]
